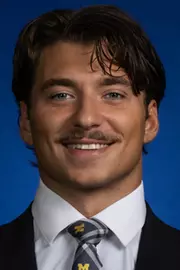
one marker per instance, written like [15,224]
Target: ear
[25,127]
[152,122]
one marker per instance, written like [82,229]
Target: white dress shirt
[55,248]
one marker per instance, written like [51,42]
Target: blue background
[18,180]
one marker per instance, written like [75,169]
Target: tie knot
[88,231]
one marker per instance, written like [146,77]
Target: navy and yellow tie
[88,233]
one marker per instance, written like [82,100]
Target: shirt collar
[124,218]
[52,214]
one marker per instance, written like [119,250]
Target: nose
[88,114]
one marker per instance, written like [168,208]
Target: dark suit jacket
[159,247]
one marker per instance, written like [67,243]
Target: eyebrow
[120,80]
[58,82]
[107,81]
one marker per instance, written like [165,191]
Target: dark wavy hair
[127,46]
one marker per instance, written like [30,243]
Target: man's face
[87,128]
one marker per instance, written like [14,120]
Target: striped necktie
[88,233]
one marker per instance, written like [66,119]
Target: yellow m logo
[83,267]
[79,228]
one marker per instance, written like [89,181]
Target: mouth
[90,146]
[86,149]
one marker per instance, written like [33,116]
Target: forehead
[72,59]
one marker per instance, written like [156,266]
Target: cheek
[130,124]
[42,122]
[135,133]
[47,120]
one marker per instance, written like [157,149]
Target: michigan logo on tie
[83,267]
[79,228]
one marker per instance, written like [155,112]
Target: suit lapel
[27,247]
[20,248]
[157,248]
[146,256]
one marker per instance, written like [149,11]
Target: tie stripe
[91,251]
[94,235]
[88,233]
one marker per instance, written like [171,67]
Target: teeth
[93,146]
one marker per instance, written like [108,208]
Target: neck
[91,202]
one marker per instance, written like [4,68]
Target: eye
[114,95]
[61,96]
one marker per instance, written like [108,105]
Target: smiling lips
[86,144]
[86,149]
[92,146]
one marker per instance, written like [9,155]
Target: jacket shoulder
[17,225]
[159,245]
[162,230]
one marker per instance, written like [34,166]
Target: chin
[90,183]
[89,186]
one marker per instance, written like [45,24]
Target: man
[88,84]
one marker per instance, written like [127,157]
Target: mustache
[94,135]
